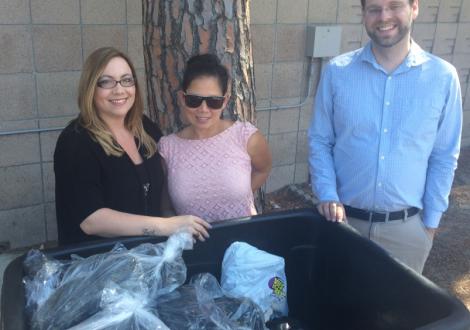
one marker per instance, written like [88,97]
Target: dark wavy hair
[205,65]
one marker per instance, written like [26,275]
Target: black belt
[377,216]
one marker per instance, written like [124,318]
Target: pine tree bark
[175,30]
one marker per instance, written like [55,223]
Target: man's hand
[332,211]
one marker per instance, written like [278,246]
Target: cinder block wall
[44,43]
[279,32]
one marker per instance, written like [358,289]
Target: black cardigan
[86,179]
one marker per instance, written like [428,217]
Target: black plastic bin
[336,279]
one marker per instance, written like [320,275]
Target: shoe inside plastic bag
[258,275]
[201,305]
[78,291]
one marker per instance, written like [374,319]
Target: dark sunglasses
[213,102]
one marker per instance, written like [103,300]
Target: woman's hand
[190,223]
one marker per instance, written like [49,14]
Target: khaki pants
[407,240]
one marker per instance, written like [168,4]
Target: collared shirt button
[385,130]
[389,78]
[382,157]
[379,184]
[387,103]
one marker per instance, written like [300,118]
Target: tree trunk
[175,30]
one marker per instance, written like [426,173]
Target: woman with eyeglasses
[213,165]
[109,178]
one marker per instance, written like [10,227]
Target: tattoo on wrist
[149,232]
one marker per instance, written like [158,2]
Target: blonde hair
[89,117]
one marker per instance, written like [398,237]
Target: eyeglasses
[108,83]
[213,102]
[395,8]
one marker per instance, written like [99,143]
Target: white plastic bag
[258,275]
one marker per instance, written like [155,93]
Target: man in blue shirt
[385,135]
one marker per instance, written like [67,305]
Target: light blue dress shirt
[386,141]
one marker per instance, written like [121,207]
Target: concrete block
[466,105]
[365,37]
[55,11]
[134,11]
[263,80]
[290,42]
[464,89]
[301,173]
[466,99]
[445,39]
[466,123]
[465,11]
[15,43]
[462,44]
[462,64]
[18,97]
[48,181]
[18,125]
[280,177]
[48,141]
[263,43]
[306,115]
[284,120]
[428,11]
[135,45]
[57,93]
[263,11]
[262,122]
[302,147]
[449,11]
[51,223]
[283,148]
[19,149]
[351,38]
[292,12]
[103,11]
[57,47]
[21,186]
[56,122]
[23,227]
[423,34]
[465,142]
[14,12]
[96,36]
[349,11]
[322,11]
[287,79]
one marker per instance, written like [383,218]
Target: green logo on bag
[278,287]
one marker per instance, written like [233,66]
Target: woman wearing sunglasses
[213,165]
[109,179]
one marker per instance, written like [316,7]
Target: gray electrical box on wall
[323,41]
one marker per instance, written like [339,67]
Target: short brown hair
[89,117]
[363,2]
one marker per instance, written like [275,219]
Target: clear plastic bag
[258,275]
[123,310]
[42,278]
[143,273]
[201,305]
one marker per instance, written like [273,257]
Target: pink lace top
[210,178]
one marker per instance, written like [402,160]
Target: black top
[86,179]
